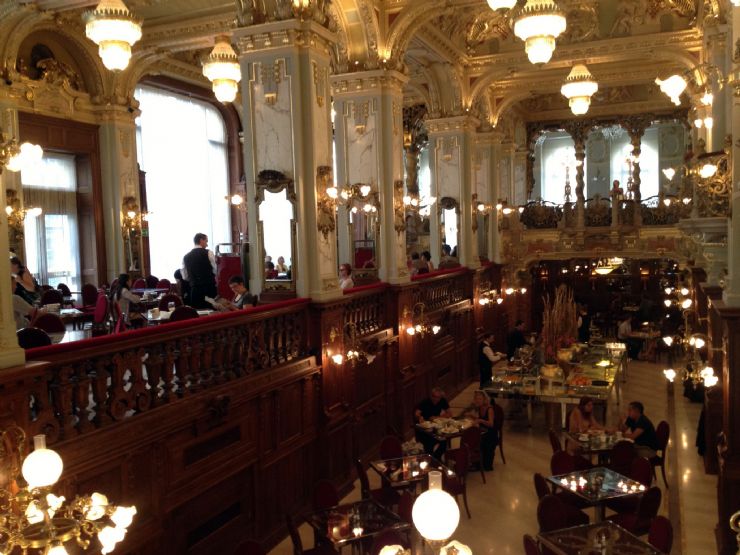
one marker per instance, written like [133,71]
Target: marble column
[636,128]
[487,188]
[286,102]
[731,295]
[10,353]
[451,142]
[719,53]
[120,179]
[369,146]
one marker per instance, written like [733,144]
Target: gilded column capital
[452,125]
[489,138]
[281,35]
[361,83]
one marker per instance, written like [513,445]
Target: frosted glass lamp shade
[435,512]
[43,467]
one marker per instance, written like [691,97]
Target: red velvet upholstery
[562,462]
[555,441]
[151,281]
[183,313]
[471,438]
[663,433]
[139,284]
[169,298]
[152,333]
[541,486]
[638,522]
[660,535]
[457,270]
[249,547]
[362,255]
[621,456]
[377,285]
[163,284]
[325,495]
[642,471]
[101,309]
[50,323]
[52,296]
[554,514]
[89,295]
[28,338]
[459,460]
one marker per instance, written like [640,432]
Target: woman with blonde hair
[485,421]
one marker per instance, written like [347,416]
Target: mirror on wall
[276,205]
[364,232]
[449,230]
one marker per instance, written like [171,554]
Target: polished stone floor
[504,508]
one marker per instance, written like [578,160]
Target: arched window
[182,147]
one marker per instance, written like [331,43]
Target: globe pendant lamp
[435,512]
[501,4]
[578,88]
[115,30]
[222,69]
[538,24]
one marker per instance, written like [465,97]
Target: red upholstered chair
[531,547]
[555,441]
[139,284]
[119,322]
[459,461]
[562,462]
[321,549]
[183,313]
[28,338]
[52,296]
[169,298]
[660,535]
[406,506]
[621,456]
[163,284]
[50,323]
[151,281]
[638,522]
[65,291]
[663,433]
[388,537]
[641,471]
[89,297]
[554,514]
[541,486]
[391,448]
[100,316]
[385,496]
[471,439]
[325,495]
[249,547]
[498,421]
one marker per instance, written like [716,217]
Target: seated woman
[484,418]
[25,286]
[242,297]
[122,293]
[582,419]
[281,267]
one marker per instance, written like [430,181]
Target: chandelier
[503,4]
[538,24]
[578,88]
[222,69]
[605,266]
[115,30]
[359,197]
[35,521]
[16,158]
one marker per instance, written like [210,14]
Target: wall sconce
[336,358]
[16,157]
[16,214]
[355,351]
[489,297]
[418,324]
[503,207]
[131,215]
[326,204]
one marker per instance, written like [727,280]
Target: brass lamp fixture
[16,214]
[221,67]
[355,351]
[359,196]
[34,521]
[115,30]
[503,4]
[417,323]
[538,24]
[578,88]
[17,157]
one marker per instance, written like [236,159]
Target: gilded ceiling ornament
[629,13]
[583,23]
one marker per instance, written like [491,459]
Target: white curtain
[52,239]
[558,153]
[182,148]
[621,147]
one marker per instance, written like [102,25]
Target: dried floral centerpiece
[559,326]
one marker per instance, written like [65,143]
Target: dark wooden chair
[50,323]
[554,514]
[562,462]
[139,284]
[555,441]
[325,495]
[471,439]
[249,547]
[663,433]
[531,547]
[621,456]
[163,284]
[456,485]
[169,298]
[386,495]
[541,486]
[29,338]
[183,313]
[638,522]
[89,297]
[391,448]
[498,420]
[641,471]
[99,325]
[52,296]
[660,535]
[321,549]
[151,281]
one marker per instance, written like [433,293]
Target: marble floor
[504,508]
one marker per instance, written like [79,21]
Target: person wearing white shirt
[487,358]
[345,277]
[199,269]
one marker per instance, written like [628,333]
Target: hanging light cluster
[222,69]
[115,30]
[538,24]
[578,88]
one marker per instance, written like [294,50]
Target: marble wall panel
[273,129]
[362,149]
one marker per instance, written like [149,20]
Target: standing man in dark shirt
[637,427]
[432,407]
[515,339]
[199,269]
[486,359]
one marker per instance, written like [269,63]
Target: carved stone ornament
[274,181]
[326,220]
[399,211]
[474,212]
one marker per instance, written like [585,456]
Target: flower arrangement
[559,323]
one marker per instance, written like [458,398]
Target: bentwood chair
[471,439]
[554,514]
[660,535]
[663,433]
[638,522]
[28,338]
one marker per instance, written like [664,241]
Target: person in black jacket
[199,269]
[487,357]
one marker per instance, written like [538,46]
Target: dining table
[597,486]
[163,316]
[351,524]
[409,471]
[595,539]
[69,336]
[597,442]
[444,430]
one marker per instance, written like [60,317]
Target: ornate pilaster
[451,162]
[10,353]
[579,132]
[731,295]
[487,188]
[718,52]
[120,179]
[635,127]
[369,142]
[287,127]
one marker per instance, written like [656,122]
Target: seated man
[638,427]
[430,408]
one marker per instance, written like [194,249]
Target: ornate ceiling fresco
[461,56]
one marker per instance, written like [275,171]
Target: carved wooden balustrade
[366,310]
[443,290]
[663,210]
[598,212]
[96,383]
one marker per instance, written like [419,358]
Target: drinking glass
[170,306]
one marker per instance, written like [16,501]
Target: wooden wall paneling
[77,138]
[326,333]
[336,452]
[442,372]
